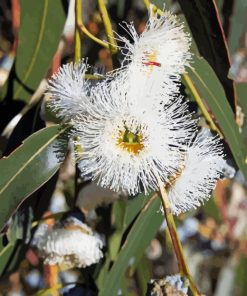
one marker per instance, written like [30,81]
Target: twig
[108,27]
[78,17]
[84,30]
[80,27]
[93,76]
[155,9]
[183,268]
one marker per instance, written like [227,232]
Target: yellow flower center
[132,142]
[151,60]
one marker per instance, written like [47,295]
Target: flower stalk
[78,17]
[108,27]
[51,277]
[183,268]
[80,27]
[148,3]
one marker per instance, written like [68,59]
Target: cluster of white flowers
[69,244]
[134,128]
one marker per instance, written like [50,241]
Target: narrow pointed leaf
[213,94]
[143,230]
[29,167]
[41,26]
[238,24]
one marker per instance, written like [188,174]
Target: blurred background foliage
[38,178]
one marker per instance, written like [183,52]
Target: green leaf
[211,209]
[240,277]
[3,91]
[203,19]
[144,274]
[133,208]
[18,235]
[123,215]
[237,24]
[5,254]
[143,230]
[210,89]
[118,212]
[242,91]
[16,231]
[41,26]
[28,167]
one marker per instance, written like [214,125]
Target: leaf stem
[93,76]
[108,27]
[51,277]
[154,8]
[80,27]
[84,30]
[183,268]
[78,17]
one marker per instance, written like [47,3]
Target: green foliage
[240,278]
[28,167]
[242,91]
[211,210]
[134,222]
[213,93]
[238,23]
[135,244]
[19,230]
[144,275]
[5,253]
[40,30]
[123,215]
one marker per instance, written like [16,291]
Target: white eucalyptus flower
[67,89]
[202,167]
[156,59]
[126,148]
[72,244]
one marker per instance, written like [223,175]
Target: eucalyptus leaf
[212,92]
[41,26]
[238,24]
[143,230]
[29,167]
[5,254]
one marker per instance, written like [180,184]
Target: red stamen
[152,64]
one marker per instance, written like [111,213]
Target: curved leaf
[143,230]
[41,26]
[238,24]
[212,92]
[28,167]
